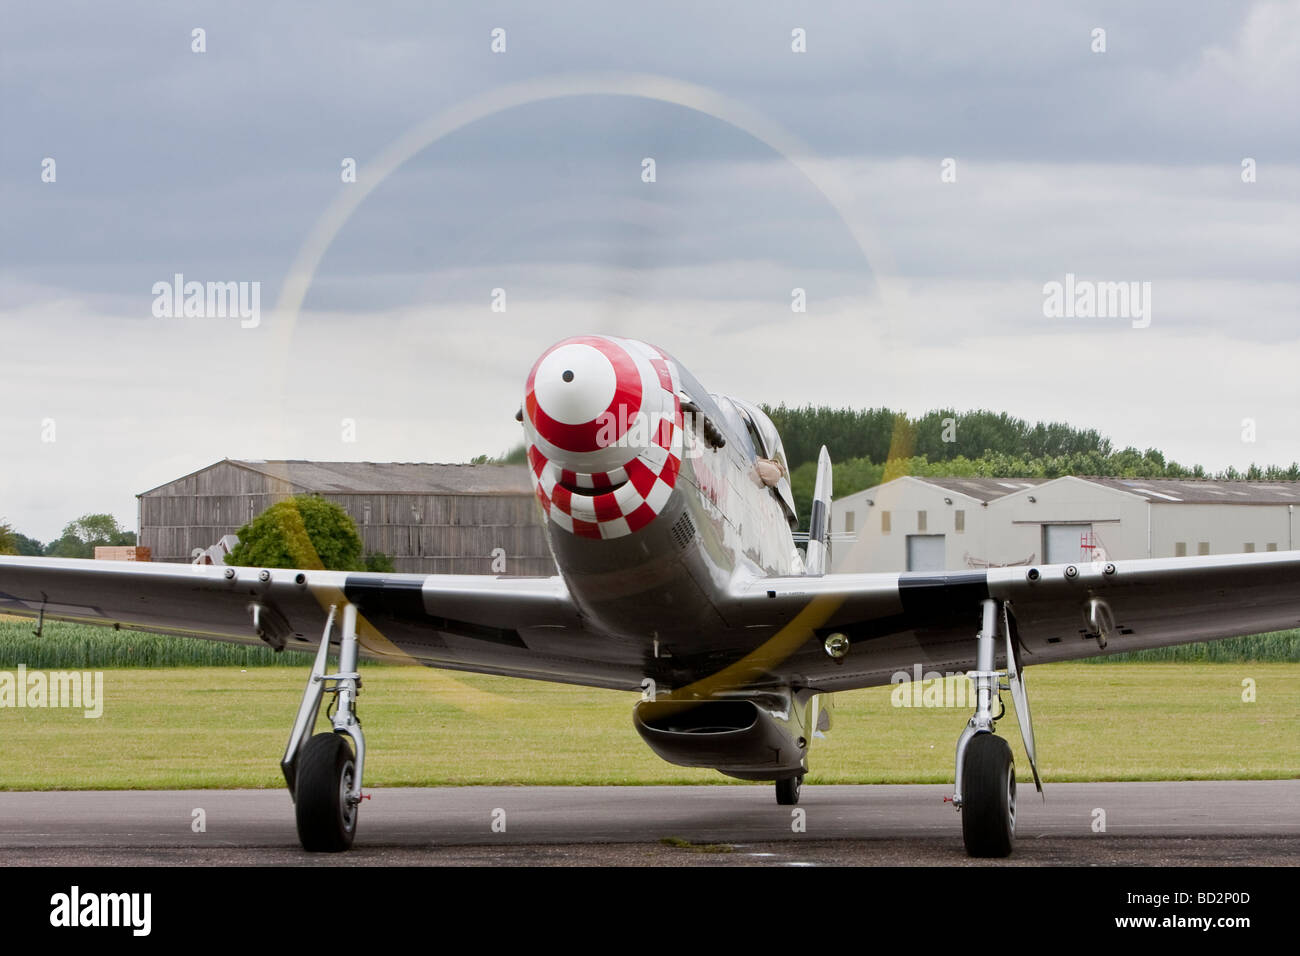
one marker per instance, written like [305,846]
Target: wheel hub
[347,808]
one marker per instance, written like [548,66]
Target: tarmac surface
[1157,823]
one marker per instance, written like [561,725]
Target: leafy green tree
[515,456]
[380,562]
[82,536]
[8,539]
[303,532]
[28,547]
[1282,473]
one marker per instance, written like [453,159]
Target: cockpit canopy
[767,444]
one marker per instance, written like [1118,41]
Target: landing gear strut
[323,772]
[985,790]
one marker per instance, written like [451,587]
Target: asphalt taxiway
[1156,823]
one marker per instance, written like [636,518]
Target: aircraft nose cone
[582,393]
[574,384]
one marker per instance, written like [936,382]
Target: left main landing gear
[787,790]
[323,772]
[985,790]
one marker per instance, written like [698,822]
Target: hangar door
[1065,543]
[925,552]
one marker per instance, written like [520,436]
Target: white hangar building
[959,524]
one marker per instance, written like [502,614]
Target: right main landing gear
[988,812]
[323,772]
[327,819]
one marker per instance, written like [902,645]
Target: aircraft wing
[494,624]
[1153,602]
[529,627]
[1058,612]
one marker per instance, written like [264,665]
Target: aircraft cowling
[750,738]
[604,430]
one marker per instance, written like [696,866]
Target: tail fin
[818,559]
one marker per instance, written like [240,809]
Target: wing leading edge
[896,622]
[498,625]
[530,627]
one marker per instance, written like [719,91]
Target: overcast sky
[773,170]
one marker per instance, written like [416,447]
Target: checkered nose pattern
[604,427]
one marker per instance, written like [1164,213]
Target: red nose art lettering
[610,423]
[640,489]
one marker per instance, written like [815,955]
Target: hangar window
[884,522]
[1272,546]
[920,521]
[959,520]
[1202,547]
[1180,549]
[848,522]
[1248,547]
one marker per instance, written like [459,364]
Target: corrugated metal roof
[984,489]
[1194,491]
[1200,491]
[396,477]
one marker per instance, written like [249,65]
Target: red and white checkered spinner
[604,427]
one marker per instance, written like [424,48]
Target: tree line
[868,447]
[880,434]
[302,532]
[875,445]
[79,539]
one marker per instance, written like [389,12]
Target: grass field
[226,727]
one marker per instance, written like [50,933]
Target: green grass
[1274,646]
[63,645]
[226,727]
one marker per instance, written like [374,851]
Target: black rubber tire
[325,771]
[988,799]
[787,790]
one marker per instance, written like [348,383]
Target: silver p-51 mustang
[670,516]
